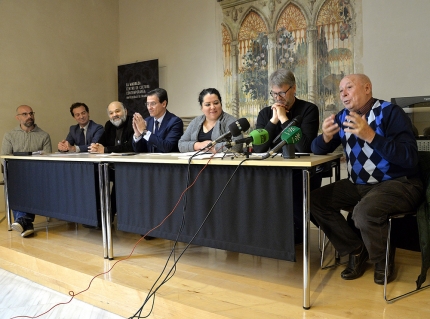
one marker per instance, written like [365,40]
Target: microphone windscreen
[238,127]
[291,135]
[259,136]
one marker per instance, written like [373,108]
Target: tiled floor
[22,298]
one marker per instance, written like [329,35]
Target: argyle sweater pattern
[392,154]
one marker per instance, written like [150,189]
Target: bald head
[25,117]
[355,91]
[23,108]
[359,79]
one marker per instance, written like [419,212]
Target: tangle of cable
[169,275]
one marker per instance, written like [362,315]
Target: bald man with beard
[26,137]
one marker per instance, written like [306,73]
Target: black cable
[173,268]
[172,271]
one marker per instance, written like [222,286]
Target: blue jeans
[18,214]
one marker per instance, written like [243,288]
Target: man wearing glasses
[27,137]
[276,117]
[161,131]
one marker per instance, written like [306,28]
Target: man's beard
[29,123]
[118,121]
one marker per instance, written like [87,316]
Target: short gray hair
[281,77]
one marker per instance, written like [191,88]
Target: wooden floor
[208,283]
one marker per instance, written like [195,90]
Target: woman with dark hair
[207,127]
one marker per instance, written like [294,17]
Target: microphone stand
[248,149]
[228,147]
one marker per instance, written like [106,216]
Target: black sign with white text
[135,80]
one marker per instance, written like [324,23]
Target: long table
[253,215]
[67,187]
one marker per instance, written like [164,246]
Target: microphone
[294,122]
[290,135]
[257,137]
[236,128]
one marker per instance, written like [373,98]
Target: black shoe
[29,229]
[356,265]
[379,275]
[18,225]
[24,227]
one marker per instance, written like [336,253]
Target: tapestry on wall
[135,80]
[316,39]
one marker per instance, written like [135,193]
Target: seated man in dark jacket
[160,132]
[275,118]
[116,138]
[84,133]
[118,133]
[383,178]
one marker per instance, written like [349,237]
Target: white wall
[397,47]
[183,36]
[54,53]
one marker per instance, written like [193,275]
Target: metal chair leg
[387,258]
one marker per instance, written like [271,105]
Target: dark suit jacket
[166,141]
[94,132]
[109,136]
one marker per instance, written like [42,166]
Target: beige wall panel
[183,36]
[54,53]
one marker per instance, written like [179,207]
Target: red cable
[71,293]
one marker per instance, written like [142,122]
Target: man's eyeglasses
[281,94]
[27,114]
[148,104]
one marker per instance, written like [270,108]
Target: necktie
[157,126]
[82,137]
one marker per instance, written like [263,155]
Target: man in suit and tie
[161,131]
[84,133]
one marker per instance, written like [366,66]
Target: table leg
[306,247]
[103,208]
[108,212]
[6,197]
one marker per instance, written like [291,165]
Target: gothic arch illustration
[316,39]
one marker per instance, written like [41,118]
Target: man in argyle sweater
[382,164]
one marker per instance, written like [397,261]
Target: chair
[423,219]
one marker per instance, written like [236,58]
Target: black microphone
[290,135]
[294,122]
[236,128]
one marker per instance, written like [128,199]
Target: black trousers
[372,204]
